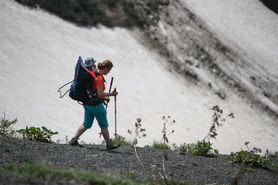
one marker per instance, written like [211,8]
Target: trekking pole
[111,83]
[115,104]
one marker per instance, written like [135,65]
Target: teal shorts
[92,112]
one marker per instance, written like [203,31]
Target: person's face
[106,71]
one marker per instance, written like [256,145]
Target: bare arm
[102,95]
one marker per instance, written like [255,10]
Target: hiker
[94,107]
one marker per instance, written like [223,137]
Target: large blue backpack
[81,86]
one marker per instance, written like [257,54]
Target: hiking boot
[74,142]
[110,146]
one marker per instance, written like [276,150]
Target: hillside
[188,43]
[168,61]
[119,163]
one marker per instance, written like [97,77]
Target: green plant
[164,145]
[37,134]
[204,147]
[120,140]
[217,121]
[5,127]
[249,157]
[273,159]
[201,148]
[271,154]
[175,147]
[166,122]
[139,133]
[161,146]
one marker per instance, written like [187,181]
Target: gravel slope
[94,158]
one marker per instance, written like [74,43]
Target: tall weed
[204,147]
[6,127]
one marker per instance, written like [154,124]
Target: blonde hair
[105,64]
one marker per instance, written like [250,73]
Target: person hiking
[94,107]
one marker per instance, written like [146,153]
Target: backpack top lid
[89,61]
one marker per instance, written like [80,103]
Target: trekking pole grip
[111,83]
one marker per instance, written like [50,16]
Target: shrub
[201,148]
[161,146]
[251,157]
[37,134]
[5,127]
[120,140]
[247,157]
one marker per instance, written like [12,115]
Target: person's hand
[114,92]
[106,99]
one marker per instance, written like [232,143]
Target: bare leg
[105,134]
[80,131]
[109,143]
[74,141]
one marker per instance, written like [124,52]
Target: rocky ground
[94,158]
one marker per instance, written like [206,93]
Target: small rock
[92,155]
[189,62]
[209,84]
[253,78]
[194,164]
[231,82]
[266,94]
[221,94]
